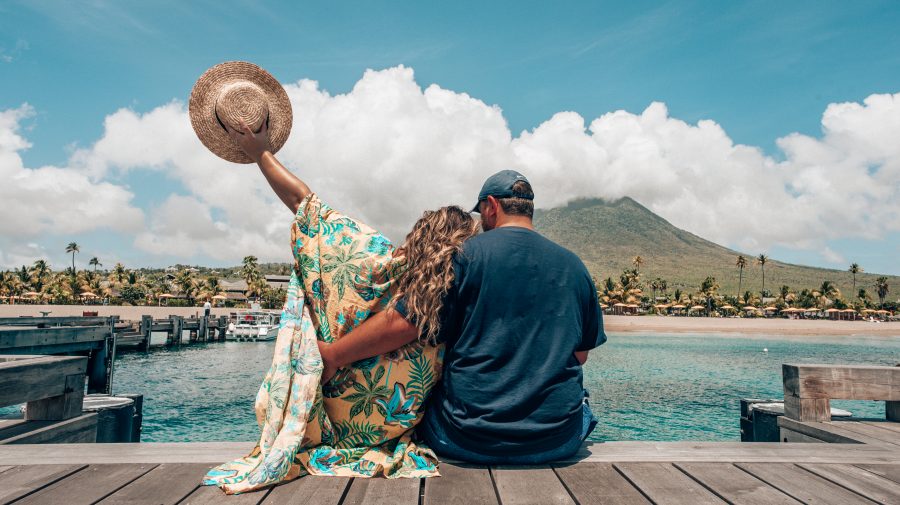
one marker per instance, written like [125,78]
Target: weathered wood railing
[52,387]
[93,337]
[808,389]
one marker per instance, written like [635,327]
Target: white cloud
[35,202]
[388,150]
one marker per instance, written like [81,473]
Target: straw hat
[237,91]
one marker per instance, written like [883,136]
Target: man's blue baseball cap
[500,185]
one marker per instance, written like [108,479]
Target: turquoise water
[643,387]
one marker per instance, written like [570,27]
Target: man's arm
[384,332]
[581,356]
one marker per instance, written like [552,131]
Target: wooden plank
[65,406]
[801,484]
[665,484]
[792,436]
[28,380]
[606,452]
[87,486]
[597,483]
[872,432]
[761,452]
[54,321]
[806,409]
[34,337]
[192,452]
[380,491]
[476,483]
[311,490]
[885,425]
[81,429]
[826,432]
[890,472]
[734,485]
[859,481]
[211,495]
[19,481]
[846,382]
[526,486]
[168,483]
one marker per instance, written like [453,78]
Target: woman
[360,422]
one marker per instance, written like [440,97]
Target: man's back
[519,308]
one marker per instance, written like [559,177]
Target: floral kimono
[360,423]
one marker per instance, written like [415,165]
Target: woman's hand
[328,360]
[254,144]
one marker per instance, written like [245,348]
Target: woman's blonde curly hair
[428,252]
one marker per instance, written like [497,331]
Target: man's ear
[494,204]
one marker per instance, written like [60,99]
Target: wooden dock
[614,472]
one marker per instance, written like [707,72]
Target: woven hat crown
[235,93]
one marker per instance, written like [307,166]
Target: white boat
[253,326]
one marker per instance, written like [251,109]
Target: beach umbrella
[750,307]
[88,294]
[698,307]
[620,304]
[726,307]
[679,306]
[166,295]
[220,297]
[770,309]
[882,311]
[31,294]
[848,310]
[604,306]
[632,306]
[832,310]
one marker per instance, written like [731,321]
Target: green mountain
[607,235]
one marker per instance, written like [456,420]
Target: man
[207,307]
[518,323]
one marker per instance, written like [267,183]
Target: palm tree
[95,263]
[40,275]
[827,293]
[761,261]
[637,261]
[785,291]
[73,248]
[882,288]
[740,263]
[855,269]
[184,279]
[119,273]
[664,286]
[708,288]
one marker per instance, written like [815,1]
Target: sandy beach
[649,324]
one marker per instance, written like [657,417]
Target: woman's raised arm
[290,189]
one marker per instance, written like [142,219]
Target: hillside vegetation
[608,235]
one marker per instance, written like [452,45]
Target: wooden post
[202,331]
[223,327]
[147,331]
[97,379]
[177,329]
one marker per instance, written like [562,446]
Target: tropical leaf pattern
[360,423]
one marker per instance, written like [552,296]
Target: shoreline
[630,324]
[754,326]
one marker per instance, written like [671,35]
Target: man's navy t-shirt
[519,307]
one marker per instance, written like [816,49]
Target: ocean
[643,387]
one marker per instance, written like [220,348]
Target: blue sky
[761,70]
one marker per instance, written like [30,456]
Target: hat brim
[202,108]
